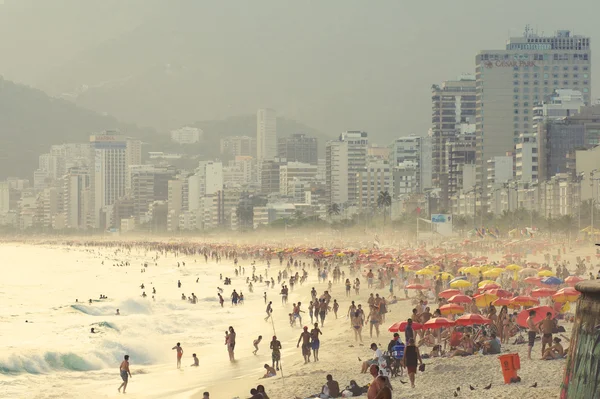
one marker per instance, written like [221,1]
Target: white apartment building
[4,197]
[417,151]
[109,172]
[499,172]
[295,171]
[526,160]
[207,181]
[511,81]
[76,197]
[186,135]
[336,172]
[266,134]
[376,177]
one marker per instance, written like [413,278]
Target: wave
[127,307]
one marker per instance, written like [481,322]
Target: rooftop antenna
[527,30]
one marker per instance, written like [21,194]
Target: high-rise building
[4,197]
[415,150]
[133,156]
[270,175]
[149,184]
[453,106]
[76,197]
[295,171]
[358,144]
[236,146]
[186,135]
[374,179]
[298,148]
[108,174]
[510,81]
[336,172]
[266,134]
[460,162]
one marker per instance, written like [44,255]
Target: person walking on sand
[315,344]
[125,373]
[275,346]
[269,310]
[255,344]
[179,354]
[531,333]
[231,344]
[305,338]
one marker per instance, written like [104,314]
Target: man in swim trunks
[305,338]
[125,373]
[315,344]
[546,326]
[275,352]
[179,354]
[531,333]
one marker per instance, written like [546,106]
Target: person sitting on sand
[196,362]
[270,371]
[428,339]
[467,347]
[556,351]
[377,355]
[492,346]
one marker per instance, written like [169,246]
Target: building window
[525,111]
[525,76]
[585,82]
[516,118]
[546,90]
[535,82]
[535,75]
[555,83]
[515,97]
[565,83]
[555,67]
[565,68]
[526,104]
[516,111]
[515,68]
[516,105]
[575,83]
[516,76]
[585,75]
[516,83]
[585,90]
[575,76]
[526,118]
[565,75]
[546,67]
[526,126]
[526,97]
[516,90]
[555,75]
[575,68]
[526,83]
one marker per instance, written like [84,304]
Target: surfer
[179,354]
[125,373]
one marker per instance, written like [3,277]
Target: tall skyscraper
[298,148]
[510,81]
[415,150]
[453,106]
[358,145]
[266,134]
[336,172]
[109,173]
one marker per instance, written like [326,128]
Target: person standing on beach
[275,352]
[410,360]
[357,324]
[305,338]
[336,306]
[221,300]
[179,354]
[231,344]
[546,326]
[409,333]
[315,344]
[125,373]
[531,333]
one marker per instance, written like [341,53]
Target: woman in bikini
[357,326]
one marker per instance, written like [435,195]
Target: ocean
[48,350]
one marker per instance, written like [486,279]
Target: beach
[54,354]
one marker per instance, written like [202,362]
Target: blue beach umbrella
[458,278]
[552,281]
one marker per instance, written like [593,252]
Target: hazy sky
[335,65]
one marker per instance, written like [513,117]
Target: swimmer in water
[196,361]
[118,313]
[93,331]
[125,373]
[179,354]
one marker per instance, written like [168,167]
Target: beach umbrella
[444,275]
[513,268]
[401,326]
[499,292]
[505,302]
[572,280]
[567,294]
[542,292]
[449,293]
[528,272]
[523,300]
[438,322]
[433,267]
[415,287]
[457,278]
[460,299]
[546,273]
[451,308]
[484,282]
[493,272]
[489,287]
[460,284]
[425,272]
[540,314]
[533,280]
[484,299]
[552,281]
[472,270]
[472,318]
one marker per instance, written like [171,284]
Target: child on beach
[255,343]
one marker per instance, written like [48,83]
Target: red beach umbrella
[449,293]
[540,314]
[542,292]
[451,308]
[472,318]
[500,293]
[572,280]
[438,322]
[460,299]
[401,326]
[415,287]
[523,300]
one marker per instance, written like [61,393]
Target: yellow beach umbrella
[484,282]
[493,273]
[472,270]
[433,267]
[444,275]
[462,268]
[425,272]
[460,284]
[546,273]
[484,299]
[513,268]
